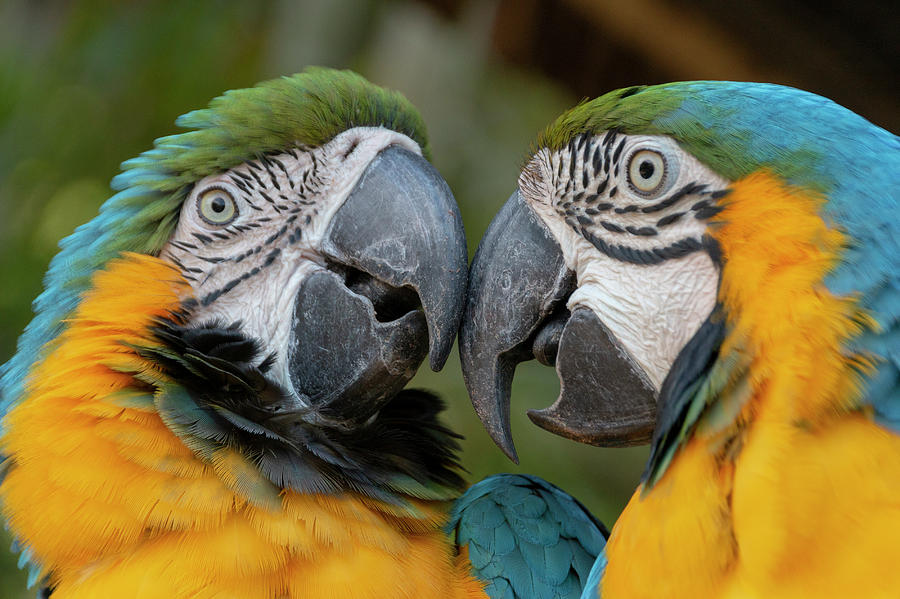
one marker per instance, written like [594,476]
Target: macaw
[713,268]
[209,401]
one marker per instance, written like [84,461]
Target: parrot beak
[515,311]
[394,291]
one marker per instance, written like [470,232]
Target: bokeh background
[86,84]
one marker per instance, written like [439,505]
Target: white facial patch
[251,269]
[634,236]
[652,310]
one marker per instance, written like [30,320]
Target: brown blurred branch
[680,40]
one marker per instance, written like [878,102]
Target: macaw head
[662,240]
[325,257]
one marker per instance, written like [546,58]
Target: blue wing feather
[592,587]
[526,538]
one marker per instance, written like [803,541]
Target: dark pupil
[218,204]
[646,169]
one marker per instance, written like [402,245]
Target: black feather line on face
[403,450]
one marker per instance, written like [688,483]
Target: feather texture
[219,403]
[774,468]
[526,538]
[89,456]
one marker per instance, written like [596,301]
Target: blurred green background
[87,84]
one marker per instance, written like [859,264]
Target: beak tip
[498,427]
[438,357]
[550,422]
[442,331]
[539,417]
[507,446]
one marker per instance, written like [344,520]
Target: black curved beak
[394,291]
[516,311]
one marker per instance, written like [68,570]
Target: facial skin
[247,238]
[610,273]
[597,214]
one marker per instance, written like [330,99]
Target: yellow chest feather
[801,496]
[111,503]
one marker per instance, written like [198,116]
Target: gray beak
[516,311]
[394,291]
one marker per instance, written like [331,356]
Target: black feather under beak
[395,291]
[515,311]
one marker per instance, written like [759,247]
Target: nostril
[390,303]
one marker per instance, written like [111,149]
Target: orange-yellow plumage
[108,498]
[800,497]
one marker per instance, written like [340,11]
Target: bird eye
[217,207]
[646,171]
